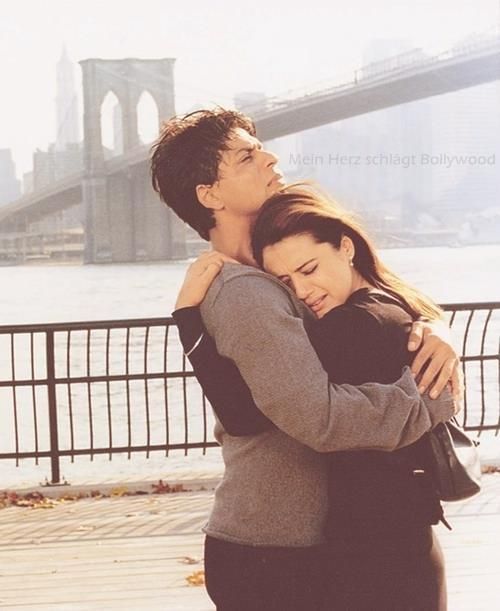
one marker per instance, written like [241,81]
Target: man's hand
[199,276]
[432,342]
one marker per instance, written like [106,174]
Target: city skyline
[200,40]
[399,188]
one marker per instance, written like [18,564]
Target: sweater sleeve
[256,325]
[219,377]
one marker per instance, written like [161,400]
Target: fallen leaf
[164,488]
[119,491]
[196,579]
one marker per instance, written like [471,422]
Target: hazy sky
[221,47]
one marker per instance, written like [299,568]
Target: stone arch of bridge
[128,79]
[123,219]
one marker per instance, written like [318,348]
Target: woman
[381,550]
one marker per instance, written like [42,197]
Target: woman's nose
[302,289]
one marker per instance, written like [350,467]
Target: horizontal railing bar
[479,357]
[111,378]
[163,376]
[160,321]
[87,325]
[481,427]
[113,450]
[480,305]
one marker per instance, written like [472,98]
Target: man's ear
[207,196]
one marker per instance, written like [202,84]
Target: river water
[37,294]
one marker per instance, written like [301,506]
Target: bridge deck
[133,553]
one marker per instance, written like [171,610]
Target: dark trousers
[393,574]
[399,574]
[247,578]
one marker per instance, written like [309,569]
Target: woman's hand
[199,276]
[432,342]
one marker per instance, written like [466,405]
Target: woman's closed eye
[309,270]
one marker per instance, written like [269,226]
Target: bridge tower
[124,220]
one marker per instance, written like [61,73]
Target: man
[262,548]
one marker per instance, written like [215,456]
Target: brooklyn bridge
[121,217]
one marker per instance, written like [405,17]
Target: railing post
[51,390]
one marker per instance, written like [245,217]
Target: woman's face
[320,274]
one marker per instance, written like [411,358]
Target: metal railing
[125,386]
[476,326]
[93,388]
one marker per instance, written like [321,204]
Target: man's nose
[269,157]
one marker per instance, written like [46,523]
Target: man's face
[247,175]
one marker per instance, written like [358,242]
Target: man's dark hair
[186,154]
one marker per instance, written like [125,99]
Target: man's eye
[310,270]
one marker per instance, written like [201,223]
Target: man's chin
[276,186]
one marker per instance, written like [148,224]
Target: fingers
[215,254]
[444,376]
[434,370]
[212,270]
[422,356]
[205,262]
[440,362]
[228,259]
[442,367]
[416,335]
[201,264]
[199,277]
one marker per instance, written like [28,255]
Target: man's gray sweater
[274,489]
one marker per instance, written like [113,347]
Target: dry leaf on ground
[196,579]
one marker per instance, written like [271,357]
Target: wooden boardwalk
[135,552]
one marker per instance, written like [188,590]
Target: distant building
[43,169]
[64,156]
[52,165]
[67,120]
[370,162]
[10,186]
[28,182]
[466,155]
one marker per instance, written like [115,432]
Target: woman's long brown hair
[300,209]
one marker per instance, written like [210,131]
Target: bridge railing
[125,387]
[367,73]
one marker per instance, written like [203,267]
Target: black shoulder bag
[457,468]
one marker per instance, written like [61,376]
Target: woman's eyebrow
[304,264]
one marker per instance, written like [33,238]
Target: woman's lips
[317,303]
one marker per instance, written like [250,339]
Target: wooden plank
[126,553]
